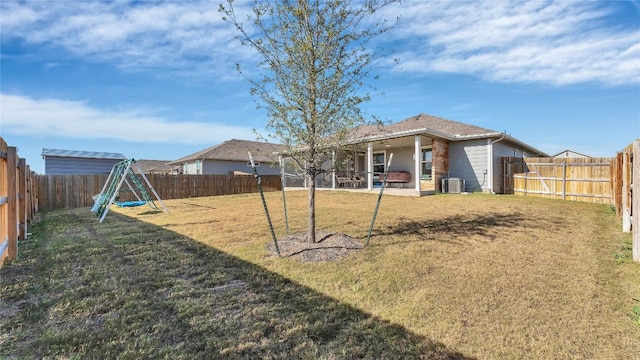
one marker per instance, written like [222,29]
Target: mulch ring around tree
[328,247]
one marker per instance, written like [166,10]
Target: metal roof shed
[70,162]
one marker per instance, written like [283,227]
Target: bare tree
[314,60]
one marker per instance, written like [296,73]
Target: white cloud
[186,37]
[22,115]
[555,42]
[562,42]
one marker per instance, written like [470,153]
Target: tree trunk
[311,231]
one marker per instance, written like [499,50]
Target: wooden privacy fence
[17,205]
[73,191]
[577,179]
[599,180]
[624,183]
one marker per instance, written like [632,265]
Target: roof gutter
[398,134]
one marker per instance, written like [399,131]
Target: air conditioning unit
[452,185]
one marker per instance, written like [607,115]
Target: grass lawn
[446,276]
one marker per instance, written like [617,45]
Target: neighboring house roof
[82,154]
[154,165]
[434,126]
[234,150]
[570,153]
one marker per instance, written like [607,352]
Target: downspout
[490,155]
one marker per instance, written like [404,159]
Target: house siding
[55,165]
[225,167]
[189,168]
[503,149]
[402,161]
[468,161]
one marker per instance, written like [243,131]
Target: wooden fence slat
[616,182]
[4,199]
[12,203]
[16,191]
[22,198]
[627,156]
[635,201]
[71,191]
[568,179]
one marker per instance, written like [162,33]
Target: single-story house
[231,156]
[571,154]
[427,149]
[68,162]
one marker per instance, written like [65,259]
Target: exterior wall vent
[452,185]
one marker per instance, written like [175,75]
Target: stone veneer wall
[440,164]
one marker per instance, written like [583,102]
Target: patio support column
[417,140]
[282,175]
[333,171]
[370,166]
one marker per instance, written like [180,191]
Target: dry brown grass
[488,276]
[132,290]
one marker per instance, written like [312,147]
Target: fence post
[635,201]
[626,183]
[22,198]
[12,216]
[564,179]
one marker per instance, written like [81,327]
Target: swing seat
[130,203]
[97,201]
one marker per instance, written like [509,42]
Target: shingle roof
[235,150]
[433,126]
[430,122]
[153,165]
[82,154]
[423,123]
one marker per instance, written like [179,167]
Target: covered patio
[411,172]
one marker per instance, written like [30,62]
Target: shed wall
[55,165]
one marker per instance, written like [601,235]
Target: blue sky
[157,80]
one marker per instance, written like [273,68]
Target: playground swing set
[123,173]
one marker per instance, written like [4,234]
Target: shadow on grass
[453,228]
[150,212]
[197,205]
[128,289]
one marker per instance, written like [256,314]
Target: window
[378,162]
[185,168]
[426,158]
[198,167]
